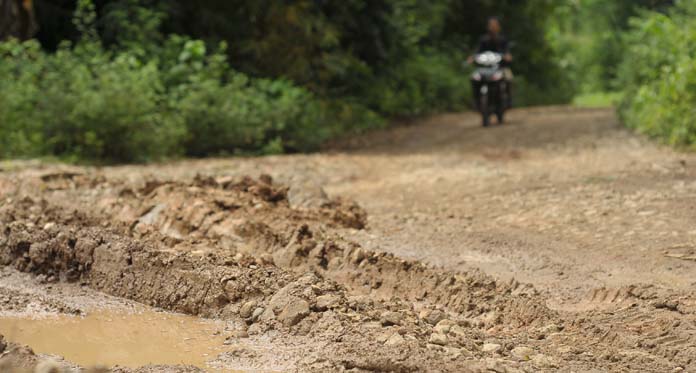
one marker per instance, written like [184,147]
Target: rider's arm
[479,49]
[507,56]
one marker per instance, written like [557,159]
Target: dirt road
[560,241]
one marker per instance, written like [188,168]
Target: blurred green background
[142,80]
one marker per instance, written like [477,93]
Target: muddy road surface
[558,242]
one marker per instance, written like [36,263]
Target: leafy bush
[20,126]
[140,102]
[425,83]
[659,75]
[78,104]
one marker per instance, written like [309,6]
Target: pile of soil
[236,248]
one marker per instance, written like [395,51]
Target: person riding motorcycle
[495,41]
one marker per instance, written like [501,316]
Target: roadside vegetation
[139,80]
[638,55]
[142,80]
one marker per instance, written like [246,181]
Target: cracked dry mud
[560,242]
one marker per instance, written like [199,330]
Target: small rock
[496,365]
[457,331]
[258,311]
[550,329]
[360,302]
[491,347]
[454,353]
[372,325]
[256,329]
[49,366]
[391,318]
[444,326]
[266,259]
[247,309]
[522,352]
[438,339]
[238,334]
[382,338]
[327,301]
[294,312]
[433,317]
[395,340]
[543,361]
[267,315]
[48,226]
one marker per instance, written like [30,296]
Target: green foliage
[659,75]
[102,108]
[134,104]
[426,83]
[149,79]
[588,37]
[597,99]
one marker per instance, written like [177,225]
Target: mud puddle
[108,338]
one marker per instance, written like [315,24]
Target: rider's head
[494,26]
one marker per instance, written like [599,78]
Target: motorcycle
[489,79]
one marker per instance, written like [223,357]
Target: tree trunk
[17,19]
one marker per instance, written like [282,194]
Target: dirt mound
[237,249]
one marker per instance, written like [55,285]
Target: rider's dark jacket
[489,43]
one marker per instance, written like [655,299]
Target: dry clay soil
[558,242]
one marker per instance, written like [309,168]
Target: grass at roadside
[597,99]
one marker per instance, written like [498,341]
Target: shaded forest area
[139,80]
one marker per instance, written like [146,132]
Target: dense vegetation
[136,80]
[642,50]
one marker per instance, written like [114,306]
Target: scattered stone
[256,329]
[435,316]
[258,311]
[444,326]
[391,318]
[294,312]
[438,339]
[247,309]
[239,334]
[457,331]
[327,301]
[359,302]
[395,340]
[49,366]
[522,352]
[455,353]
[266,259]
[434,347]
[543,361]
[491,347]
[266,315]
[496,365]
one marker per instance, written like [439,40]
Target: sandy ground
[558,242]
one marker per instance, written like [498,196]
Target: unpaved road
[598,221]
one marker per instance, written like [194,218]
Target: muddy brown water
[108,338]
